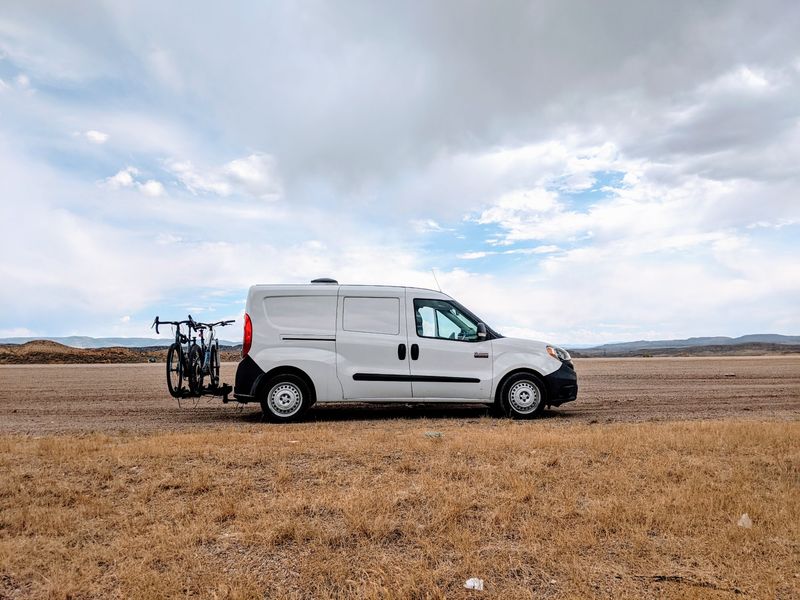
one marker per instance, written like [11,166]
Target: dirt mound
[46,352]
[41,351]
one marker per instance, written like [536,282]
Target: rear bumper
[562,385]
[247,376]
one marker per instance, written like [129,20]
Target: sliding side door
[371,343]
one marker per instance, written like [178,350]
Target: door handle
[414,352]
[401,351]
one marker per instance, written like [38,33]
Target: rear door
[447,358]
[371,343]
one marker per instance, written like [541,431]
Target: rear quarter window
[371,315]
[302,314]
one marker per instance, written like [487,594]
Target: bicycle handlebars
[191,323]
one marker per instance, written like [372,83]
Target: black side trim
[302,339]
[420,378]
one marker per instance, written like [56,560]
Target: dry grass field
[366,503]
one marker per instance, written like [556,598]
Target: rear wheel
[195,368]
[522,396]
[214,366]
[175,375]
[287,398]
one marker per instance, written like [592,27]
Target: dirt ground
[636,490]
[43,399]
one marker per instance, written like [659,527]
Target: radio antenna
[436,280]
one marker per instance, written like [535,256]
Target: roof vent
[324,280]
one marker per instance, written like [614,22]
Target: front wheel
[287,398]
[175,374]
[214,367]
[522,396]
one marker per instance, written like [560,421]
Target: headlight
[558,353]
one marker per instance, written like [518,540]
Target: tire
[286,398]
[523,396]
[175,375]
[195,369]
[214,367]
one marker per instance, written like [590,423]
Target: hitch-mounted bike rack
[190,365]
[221,390]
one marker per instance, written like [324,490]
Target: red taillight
[248,335]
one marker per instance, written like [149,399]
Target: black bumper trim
[247,375]
[562,385]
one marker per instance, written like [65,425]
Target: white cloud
[257,174]
[197,182]
[127,178]
[254,175]
[547,249]
[122,179]
[151,188]
[428,226]
[474,255]
[23,81]
[96,137]
[742,79]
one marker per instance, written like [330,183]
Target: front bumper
[562,385]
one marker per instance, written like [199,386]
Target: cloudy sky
[580,172]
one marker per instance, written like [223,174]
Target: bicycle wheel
[195,365]
[214,366]
[175,375]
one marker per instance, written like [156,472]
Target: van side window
[302,314]
[372,315]
[441,319]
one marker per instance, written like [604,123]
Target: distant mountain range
[622,348]
[617,349]
[82,341]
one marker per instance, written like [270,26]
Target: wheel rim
[285,399]
[524,397]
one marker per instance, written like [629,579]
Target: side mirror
[481,331]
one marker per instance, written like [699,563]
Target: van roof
[338,285]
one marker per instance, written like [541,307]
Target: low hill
[747,349]
[47,352]
[751,341]
[83,341]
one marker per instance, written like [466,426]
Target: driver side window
[442,320]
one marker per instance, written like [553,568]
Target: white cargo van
[326,342]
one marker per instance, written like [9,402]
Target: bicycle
[178,368]
[204,359]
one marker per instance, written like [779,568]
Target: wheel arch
[510,374]
[260,385]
